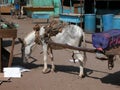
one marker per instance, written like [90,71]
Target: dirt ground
[98,77]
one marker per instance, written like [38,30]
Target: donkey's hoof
[46,71]
[53,70]
[82,76]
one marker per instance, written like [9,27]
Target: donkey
[70,34]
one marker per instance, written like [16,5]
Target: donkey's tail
[84,46]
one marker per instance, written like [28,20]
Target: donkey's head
[28,42]
[36,27]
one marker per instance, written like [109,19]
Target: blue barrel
[90,23]
[107,20]
[116,22]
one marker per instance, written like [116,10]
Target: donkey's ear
[21,40]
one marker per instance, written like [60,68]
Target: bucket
[90,23]
[107,21]
[116,22]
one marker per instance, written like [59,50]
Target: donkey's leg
[23,50]
[81,73]
[45,47]
[80,57]
[24,57]
[52,60]
[26,52]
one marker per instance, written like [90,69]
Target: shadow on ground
[7,43]
[17,61]
[113,79]
[110,78]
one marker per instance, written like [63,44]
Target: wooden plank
[113,51]
[92,50]
[11,53]
[8,33]
[39,8]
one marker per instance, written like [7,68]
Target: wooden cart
[109,53]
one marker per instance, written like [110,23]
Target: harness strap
[51,29]
[54,28]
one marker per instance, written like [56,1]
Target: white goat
[71,34]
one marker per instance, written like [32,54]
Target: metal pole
[81,12]
[62,1]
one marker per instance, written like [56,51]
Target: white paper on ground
[76,60]
[13,72]
[22,69]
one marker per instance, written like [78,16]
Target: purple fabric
[106,39]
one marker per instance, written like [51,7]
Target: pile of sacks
[5,25]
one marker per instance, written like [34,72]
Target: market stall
[11,33]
